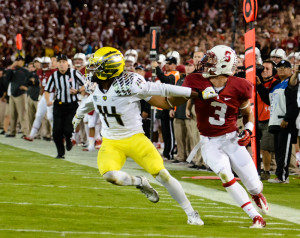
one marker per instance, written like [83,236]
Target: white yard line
[63,233]
[90,159]
[79,205]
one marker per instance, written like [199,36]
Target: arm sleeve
[163,78]
[85,107]
[263,93]
[146,89]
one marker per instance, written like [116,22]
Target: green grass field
[45,197]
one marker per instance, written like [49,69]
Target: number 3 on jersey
[104,112]
[220,112]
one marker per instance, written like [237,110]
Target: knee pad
[225,176]
[163,176]
[111,177]
[256,189]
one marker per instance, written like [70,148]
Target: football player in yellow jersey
[116,95]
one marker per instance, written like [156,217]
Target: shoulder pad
[122,84]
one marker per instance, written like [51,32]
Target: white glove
[76,121]
[208,93]
[90,86]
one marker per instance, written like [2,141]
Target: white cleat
[195,219]
[261,202]
[258,222]
[147,189]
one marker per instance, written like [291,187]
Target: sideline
[76,155]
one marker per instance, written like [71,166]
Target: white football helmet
[258,56]
[79,56]
[278,53]
[46,62]
[174,54]
[161,60]
[132,52]
[221,59]
[130,59]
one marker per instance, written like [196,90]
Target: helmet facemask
[207,63]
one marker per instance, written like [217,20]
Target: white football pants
[223,153]
[41,111]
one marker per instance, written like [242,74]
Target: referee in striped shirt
[67,83]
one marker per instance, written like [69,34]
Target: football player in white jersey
[116,97]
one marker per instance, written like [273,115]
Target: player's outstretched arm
[164,102]
[85,107]
[171,102]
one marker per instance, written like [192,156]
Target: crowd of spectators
[50,27]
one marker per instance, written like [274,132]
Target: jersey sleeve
[246,89]
[144,89]
[85,107]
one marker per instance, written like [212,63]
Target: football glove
[90,86]
[208,93]
[76,121]
[244,137]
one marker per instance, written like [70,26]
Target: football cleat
[28,138]
[195,219]
[258,222]
[74,142]
[147,189]
[98,144]
[88,149]
[261,202]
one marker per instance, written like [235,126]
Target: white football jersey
[119,107]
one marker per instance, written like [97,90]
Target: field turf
[45,197]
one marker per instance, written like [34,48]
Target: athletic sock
[240,196]
[176,191]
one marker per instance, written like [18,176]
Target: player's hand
[76,121]
[244,137]
[90,86]
[208,93]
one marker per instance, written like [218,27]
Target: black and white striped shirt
[62,83]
